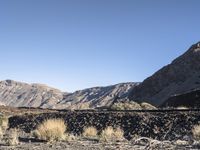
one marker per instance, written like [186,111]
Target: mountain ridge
[21,94]
[175,78]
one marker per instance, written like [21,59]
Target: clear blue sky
[76,44]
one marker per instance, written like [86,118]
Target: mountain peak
[180,76]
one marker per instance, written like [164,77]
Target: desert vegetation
[51,130]
[8,137]
[196,132]
[99,129]
[111,134]
[11,138]
[90,132]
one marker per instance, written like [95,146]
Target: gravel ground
[88,145]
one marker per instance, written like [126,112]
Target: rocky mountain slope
[181,76]
[18,94]
[96,96]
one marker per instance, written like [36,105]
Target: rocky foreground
[139,144]
[155,129]
[160,125]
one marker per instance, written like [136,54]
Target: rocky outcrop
[181,76]
[18,94]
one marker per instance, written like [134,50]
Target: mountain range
[173,85]
[18,94]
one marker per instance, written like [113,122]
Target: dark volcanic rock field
[160,125]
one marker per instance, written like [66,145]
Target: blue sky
[76,44]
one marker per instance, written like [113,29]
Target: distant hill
[19,94]
[179,77]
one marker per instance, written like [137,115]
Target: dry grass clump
[196,132]
[90,132]
[111,134]
[51,130]
[126,106]
[1,133]
[4,123]
[11,138]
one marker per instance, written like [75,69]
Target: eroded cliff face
[181,76]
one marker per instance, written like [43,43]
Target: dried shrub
[90,132]
[119,134]
[111,134]
[4,123]
[51,130]
[11,139]
[196,132]
[1,133]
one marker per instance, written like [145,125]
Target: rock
[181,142]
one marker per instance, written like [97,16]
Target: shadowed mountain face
[190,100]
[18,94]
[181,76]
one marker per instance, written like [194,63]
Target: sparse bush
[1,133]
[110,134]
[119,134]
[126,106]
[11,138]
[51,130]
[3,125]
[90,132]
[196,132]
[3,122]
